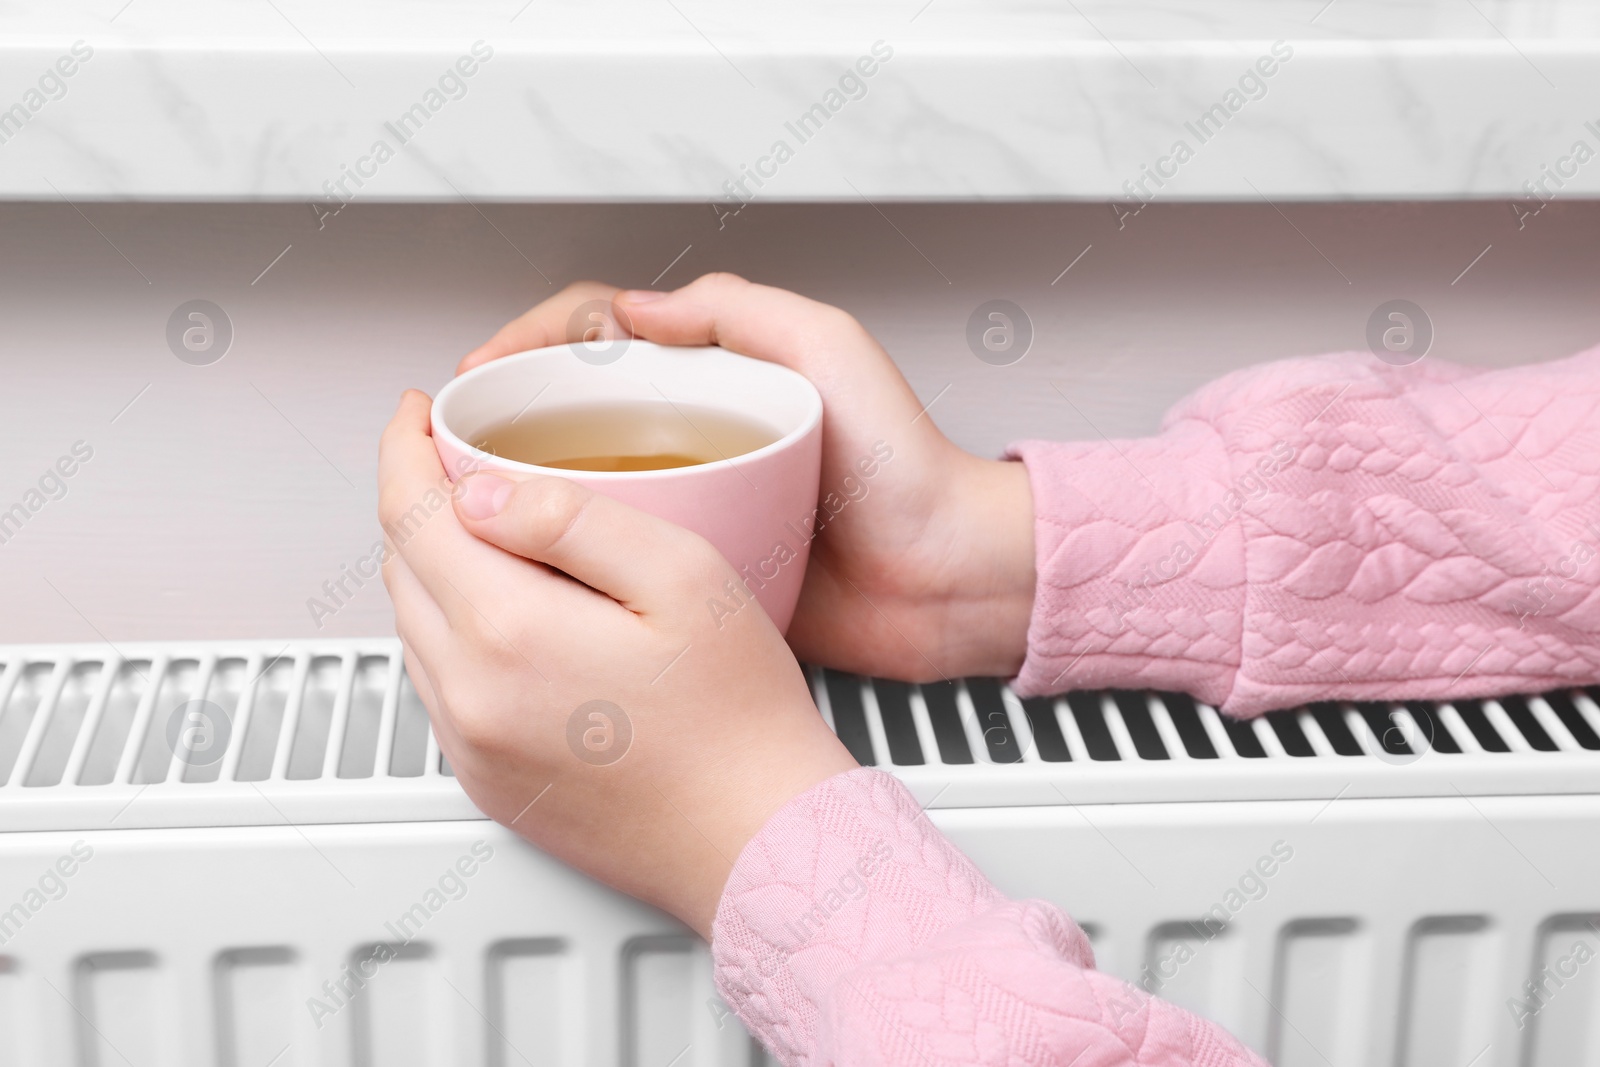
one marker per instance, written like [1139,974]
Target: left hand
[519,600]
[932,574]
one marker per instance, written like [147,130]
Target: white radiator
[309,886]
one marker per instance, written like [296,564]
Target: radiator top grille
[251,733]
[979,719]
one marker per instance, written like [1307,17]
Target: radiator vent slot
[979,720]
[193,716]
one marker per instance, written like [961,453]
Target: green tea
[636,436]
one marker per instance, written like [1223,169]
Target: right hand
[930,574]
[531,599]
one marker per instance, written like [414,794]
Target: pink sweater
[1329,528]
[1312,529]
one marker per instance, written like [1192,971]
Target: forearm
[1325,528]
[850,926]
[1135,589]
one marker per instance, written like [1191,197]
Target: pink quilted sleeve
[1329,528]
[851,932]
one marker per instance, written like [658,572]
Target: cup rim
[441,431]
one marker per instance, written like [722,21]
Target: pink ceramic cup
[755,508]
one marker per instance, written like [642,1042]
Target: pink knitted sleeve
[1329,528]
[851,932]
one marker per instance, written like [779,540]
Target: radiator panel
[1329,908]
[534,961]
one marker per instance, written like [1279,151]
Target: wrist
[990,603]
[733,800]
[670,834]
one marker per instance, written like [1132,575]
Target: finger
[412,486]
[417,616]
[444,729]
[473,582]
[638,560]
[421,681]
[551,323]
[419,621]
[822,342]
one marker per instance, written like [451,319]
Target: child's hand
[705,732]
[931,573]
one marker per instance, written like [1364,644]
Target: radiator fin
[27,687]
[397,1017]
[1448,991]
[364,722]
[320,694]
[671,1014]
[119,997]
[257,1004]
[175,686]
[262,724]
[108,733]
[533,1001]
[1194,964]
[60,731]
[1319,1005]
[14,1016]
[658,1009]
[1561,1003]
[411,733]
[226,690]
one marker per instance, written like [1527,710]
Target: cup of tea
[724,445]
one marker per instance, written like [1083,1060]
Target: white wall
[206,512]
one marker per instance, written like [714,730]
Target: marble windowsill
[674,99]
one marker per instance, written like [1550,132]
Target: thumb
[753,320]
[629,555]
[857,379]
